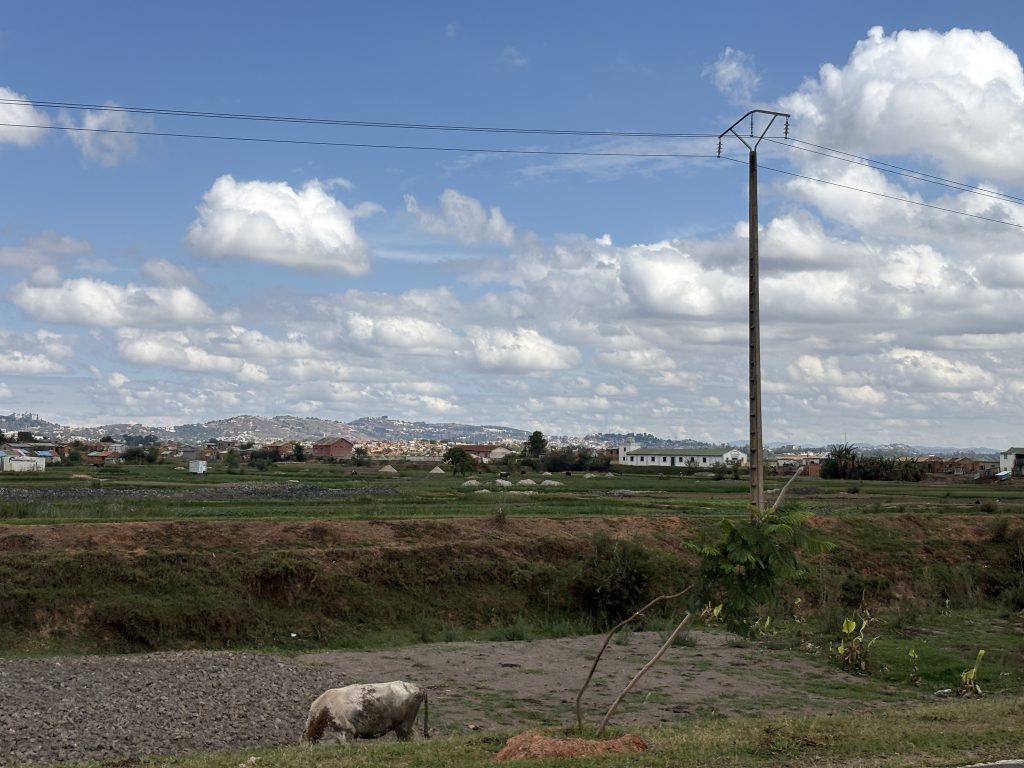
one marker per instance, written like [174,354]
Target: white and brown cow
[366,711]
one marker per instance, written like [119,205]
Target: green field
[136,495]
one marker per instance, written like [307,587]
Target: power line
[358,145]
[794,143]
[896,170]
[884,195]
[348,123]
[496,151]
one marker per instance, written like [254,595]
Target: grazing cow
[366,712]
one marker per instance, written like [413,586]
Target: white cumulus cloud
[463,217]
[174,349]
[957,96]
[100,135]
[275,223]
[16,117]
[810,369]
[864,395]
[734,75]
[94,302]
[667,282]
[407,334]
[927,371]
[521,350]
[33,353]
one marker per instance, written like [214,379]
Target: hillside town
[23,452]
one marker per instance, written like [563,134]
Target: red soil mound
[532,745]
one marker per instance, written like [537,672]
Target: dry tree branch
[607,639]
[643,671]
[785,488]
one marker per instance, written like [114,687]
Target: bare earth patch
[513,684]
[95,707]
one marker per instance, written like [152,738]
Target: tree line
[535,454]
[843,463]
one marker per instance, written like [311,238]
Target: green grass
[942,734]
[947,643]
[411,494]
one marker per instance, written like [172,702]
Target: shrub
[750,562]
[614,580]
[999,531]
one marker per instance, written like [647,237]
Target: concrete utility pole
[756,452]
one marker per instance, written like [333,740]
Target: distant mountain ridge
[270,429]
[896,450]
[263,429]
[643,440]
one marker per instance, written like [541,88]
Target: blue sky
[168,280]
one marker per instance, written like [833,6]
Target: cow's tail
[316,725]
[426,715]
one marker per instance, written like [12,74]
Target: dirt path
[82,708]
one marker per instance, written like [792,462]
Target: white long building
[679,457]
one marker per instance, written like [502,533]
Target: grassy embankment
[431,560]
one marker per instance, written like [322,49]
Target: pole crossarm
[732,128]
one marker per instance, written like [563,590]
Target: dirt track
[81,708]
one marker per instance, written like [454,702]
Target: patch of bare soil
[512,684]
[101,707]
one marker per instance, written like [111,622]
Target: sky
[569,282]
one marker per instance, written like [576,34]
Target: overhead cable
[355,144]
[347,123]
[897,198]
[896,170]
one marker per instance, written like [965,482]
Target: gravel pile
[207,492]
[96,707]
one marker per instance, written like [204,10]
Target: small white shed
[197,467]
[23,464]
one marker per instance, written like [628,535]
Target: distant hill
[269,429]
[642,440]
[383,428]
[895,450]
[263,429]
